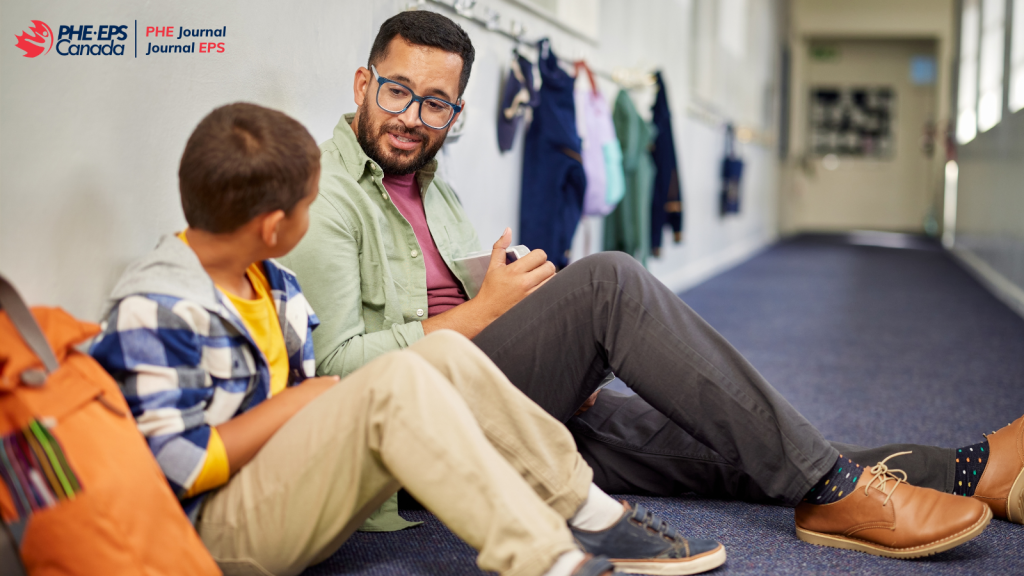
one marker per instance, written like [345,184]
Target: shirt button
[419,311]
[384,196]
[413,253]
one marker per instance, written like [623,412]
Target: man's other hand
[587,404]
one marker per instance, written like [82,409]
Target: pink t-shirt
[443,289]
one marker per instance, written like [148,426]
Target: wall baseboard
[1001,286]
[700,270]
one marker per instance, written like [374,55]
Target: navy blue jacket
[667,196]
[553,180]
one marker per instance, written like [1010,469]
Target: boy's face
[294,226]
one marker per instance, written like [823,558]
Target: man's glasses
[396,98]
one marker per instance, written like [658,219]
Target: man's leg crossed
[606,312]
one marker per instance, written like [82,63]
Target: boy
[209,338]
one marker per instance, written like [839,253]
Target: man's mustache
[398,128]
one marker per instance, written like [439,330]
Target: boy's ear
[270,226]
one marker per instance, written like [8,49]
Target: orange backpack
[80,492]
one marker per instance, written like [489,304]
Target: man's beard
[400,162]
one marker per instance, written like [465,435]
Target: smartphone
[513,253]
[473,267]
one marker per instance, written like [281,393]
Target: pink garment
[443,289]
[602,157]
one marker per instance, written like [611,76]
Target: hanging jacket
[553,179]
[518,99]
[627,229]
[667,195]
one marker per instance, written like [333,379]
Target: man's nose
[411,117]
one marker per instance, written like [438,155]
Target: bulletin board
[852,121]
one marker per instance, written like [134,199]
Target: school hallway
[874,345]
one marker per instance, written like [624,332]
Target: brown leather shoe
[1001,485]
[885,516]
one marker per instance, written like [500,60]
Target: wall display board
[852,121]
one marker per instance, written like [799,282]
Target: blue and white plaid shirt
[184,359]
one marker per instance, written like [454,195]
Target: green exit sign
[824,53]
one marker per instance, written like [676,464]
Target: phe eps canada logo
[37,40]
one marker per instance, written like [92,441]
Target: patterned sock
[836,483]
[970,463]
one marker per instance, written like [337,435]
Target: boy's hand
[506,284]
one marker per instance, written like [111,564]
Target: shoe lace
[882,474]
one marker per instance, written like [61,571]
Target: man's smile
[404,141]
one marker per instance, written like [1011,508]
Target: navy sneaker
[642,543]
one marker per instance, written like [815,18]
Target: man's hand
[506,284]
[587,404]
[503,287]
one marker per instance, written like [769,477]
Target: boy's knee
[401,374]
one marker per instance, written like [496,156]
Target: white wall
[89,146]
[989,235]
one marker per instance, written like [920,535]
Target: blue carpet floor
[873,345]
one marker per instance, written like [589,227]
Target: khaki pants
[437,418]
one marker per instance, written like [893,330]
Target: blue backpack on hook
[732,172]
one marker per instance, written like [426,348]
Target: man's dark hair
[241,161]
[424,28]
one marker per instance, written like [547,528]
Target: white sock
[598,512]
[566,563]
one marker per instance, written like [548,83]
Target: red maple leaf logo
[33,44]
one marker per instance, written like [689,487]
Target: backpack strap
[10,560]
[25,324]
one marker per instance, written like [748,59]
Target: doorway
[866,113]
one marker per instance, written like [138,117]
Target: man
[378,262]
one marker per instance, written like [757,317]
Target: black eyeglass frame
[381,81]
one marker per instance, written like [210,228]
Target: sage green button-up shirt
[360,265]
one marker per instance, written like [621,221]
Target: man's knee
[606,265]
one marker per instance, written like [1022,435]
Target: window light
[967,94]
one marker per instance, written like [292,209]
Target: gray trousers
[703,419]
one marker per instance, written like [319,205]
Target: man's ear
[462,108]
[360,84]
[270,227]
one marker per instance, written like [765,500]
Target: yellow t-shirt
[260,318]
